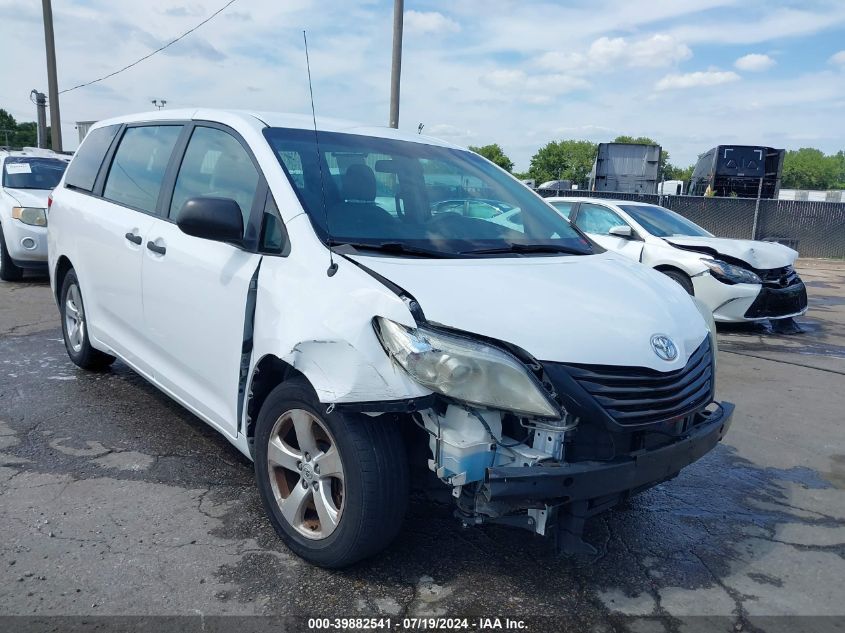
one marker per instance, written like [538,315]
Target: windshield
[21,172]
[416,198]
[663,222]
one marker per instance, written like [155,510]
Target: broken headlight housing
[463,369]
[729,273]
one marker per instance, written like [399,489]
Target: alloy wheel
[306,473]
[74,318]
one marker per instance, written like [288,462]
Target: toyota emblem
[664,347]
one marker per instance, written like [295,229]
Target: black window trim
[105,168]
[171,172]
[252,230]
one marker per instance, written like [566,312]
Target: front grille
[778,302]
[779,277]
[633,396]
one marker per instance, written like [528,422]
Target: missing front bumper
[593,481]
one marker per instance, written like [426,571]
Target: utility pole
[396,70]
[52,79]
[41,106]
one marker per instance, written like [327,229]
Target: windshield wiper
[528,248]
[394,248]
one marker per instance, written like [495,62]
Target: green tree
[18,134]
[8,127]
[568,160]
[809,168]
[494,154]
[678,173]
[839,162]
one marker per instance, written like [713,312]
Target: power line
[158,50]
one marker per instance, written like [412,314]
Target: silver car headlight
[33,216]
[466,370]
[724,271]
[707,314]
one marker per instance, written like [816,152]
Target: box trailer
[626,168]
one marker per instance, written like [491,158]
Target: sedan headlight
[33,216]
[729,273]
[466,370]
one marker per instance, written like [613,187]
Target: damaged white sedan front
[739,280]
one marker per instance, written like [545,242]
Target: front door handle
[155,248]
[135,239]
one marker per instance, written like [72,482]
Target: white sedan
[739,280]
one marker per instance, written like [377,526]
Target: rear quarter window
[83,169]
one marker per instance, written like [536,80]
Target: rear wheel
[75,327]
[681,278]
[8,270]
[335,486]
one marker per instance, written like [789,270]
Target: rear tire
[75,327]
[681,279]
[8,270]
[335,486]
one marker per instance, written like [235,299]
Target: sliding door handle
[155,248]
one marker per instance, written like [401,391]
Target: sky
[690,74]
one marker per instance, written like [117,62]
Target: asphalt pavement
[116,501]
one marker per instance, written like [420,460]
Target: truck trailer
[626,168]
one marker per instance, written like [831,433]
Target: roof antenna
[332,265]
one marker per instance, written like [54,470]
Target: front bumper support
[593,482]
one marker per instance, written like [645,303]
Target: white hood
[30,197]
[598,309]
[760,255]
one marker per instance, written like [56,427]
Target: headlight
[463,369]
[707,313]
[30,215]
[724,271]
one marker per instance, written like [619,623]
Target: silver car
[28,177]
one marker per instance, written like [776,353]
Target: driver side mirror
[622,230]
[217,219]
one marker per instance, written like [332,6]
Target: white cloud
[697,79]
[612,53]
[429,23]
[537,89]
[838,59]
[754,62]
[655,51]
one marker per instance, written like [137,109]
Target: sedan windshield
[32,173]
[662,222]
[416,199]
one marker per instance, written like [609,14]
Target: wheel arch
[63,266]
[667,268]
[268,373]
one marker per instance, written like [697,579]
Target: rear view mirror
[621,231]
[217,219]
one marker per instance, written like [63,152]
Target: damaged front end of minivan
[546,445]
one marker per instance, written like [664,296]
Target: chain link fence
[815,229]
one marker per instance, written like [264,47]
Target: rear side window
[139,164]
[83,169]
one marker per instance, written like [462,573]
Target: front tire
[335,485]
[75,327]
[8,270]
[681,279]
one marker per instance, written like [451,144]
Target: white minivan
[305,290]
